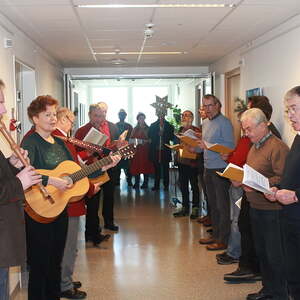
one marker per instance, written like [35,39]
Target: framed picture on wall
[254,92]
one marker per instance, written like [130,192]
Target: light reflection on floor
[154,256]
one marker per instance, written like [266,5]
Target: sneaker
[240,275]
[227,260]
[195,213]
[181,213]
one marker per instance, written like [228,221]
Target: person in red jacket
[97,115]
[140,164]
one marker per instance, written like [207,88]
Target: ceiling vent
[8,43]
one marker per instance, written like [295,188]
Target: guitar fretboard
[90,169]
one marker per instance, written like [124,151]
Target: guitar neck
[86,145]
[90,169]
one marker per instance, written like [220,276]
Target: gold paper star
[161,106]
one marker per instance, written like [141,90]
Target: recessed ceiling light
[144,53]
[118,61]
[154,5]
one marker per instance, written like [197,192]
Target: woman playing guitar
[46,242]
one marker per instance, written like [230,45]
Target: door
[232,92]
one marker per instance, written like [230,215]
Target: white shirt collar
[64,133]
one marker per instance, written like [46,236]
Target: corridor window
[115,97]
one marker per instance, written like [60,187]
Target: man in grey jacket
[216,129]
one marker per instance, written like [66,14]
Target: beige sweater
[268,160]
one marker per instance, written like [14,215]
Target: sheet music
[95,136]
[256,180]
[191,133]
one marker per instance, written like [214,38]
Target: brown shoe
[216,246]
[207,241]
[202,219]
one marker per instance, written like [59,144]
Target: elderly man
[12,228]
[97,115]
[288,194]
[188,172]
[216,129]
[267,156]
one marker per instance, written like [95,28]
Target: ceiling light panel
[155,4]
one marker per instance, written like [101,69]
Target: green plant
[175,120]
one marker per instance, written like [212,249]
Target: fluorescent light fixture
[154,5]
[143,53]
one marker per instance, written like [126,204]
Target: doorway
[25,84]
[232,92]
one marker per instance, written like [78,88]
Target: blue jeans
[4,284]
[234,242]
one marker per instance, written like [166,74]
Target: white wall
[49,74]
[271,62]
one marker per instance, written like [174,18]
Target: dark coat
[12,225]
[168,135]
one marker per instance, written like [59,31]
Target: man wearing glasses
[288,194]
[216,129]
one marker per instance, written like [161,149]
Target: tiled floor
[154,256]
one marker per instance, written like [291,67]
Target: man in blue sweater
[216,129]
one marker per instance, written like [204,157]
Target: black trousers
[188,174]
[45,249]
[248,258]
[266,226]
[123,164]
[219,202]
[108,197]
[164,166]
[92,224]
[291,234]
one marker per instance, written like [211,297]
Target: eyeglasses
[208,106]
[292,110]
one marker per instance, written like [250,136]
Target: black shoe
[241,275]
[209,231]
[181,213]
[155,188]
[144,186]
[227,260]
[100,238]
[73,294]
[221,255]
[136,186]
[111,227]
[77,284]
[261,295]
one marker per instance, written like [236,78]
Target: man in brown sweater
[267,156]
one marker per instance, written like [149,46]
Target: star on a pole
[161,106]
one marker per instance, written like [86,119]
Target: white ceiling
[71,35]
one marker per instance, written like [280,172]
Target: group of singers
[264,236]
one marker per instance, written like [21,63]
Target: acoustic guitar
[100,150]
[42,210]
